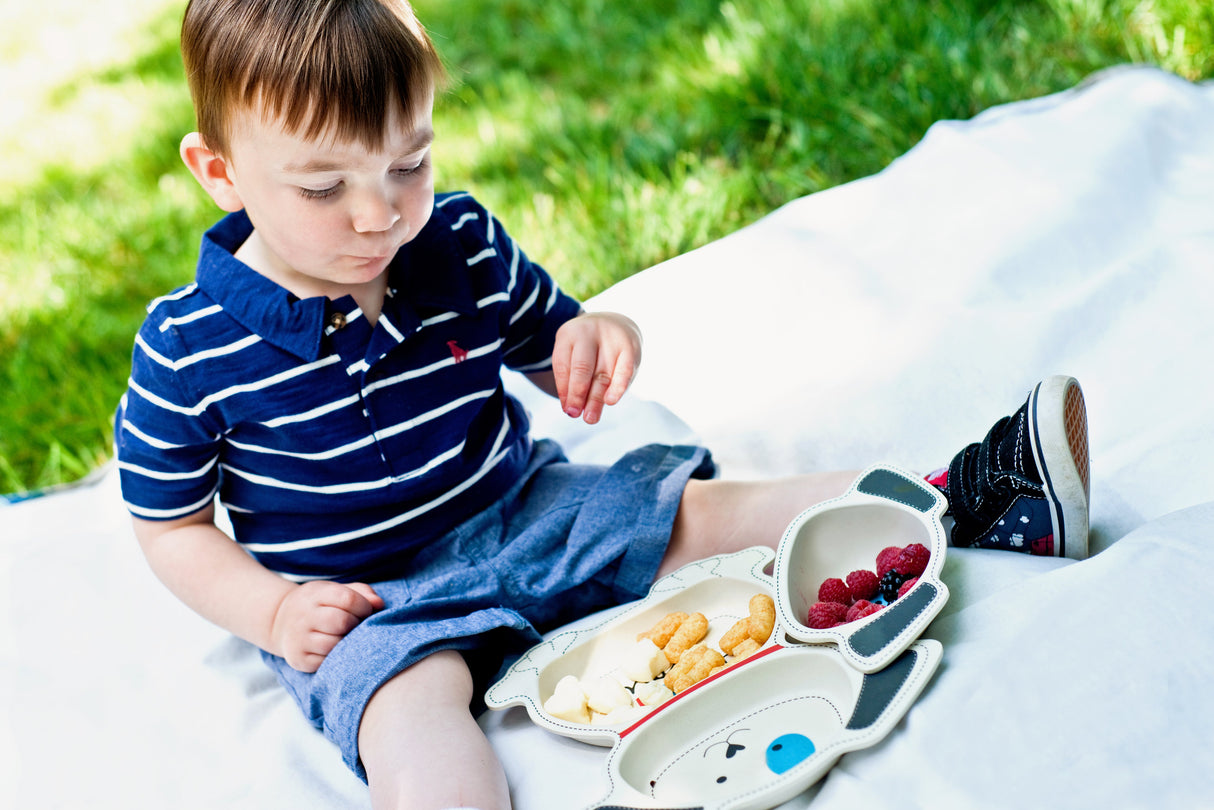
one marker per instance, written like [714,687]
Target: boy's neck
[368,296]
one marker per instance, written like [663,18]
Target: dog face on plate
[737,759]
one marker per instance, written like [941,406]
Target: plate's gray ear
[873,637]
[880,689]
[892,486]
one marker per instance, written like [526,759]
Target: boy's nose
[374,211]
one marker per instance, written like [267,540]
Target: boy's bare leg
[421,746]
[720,517]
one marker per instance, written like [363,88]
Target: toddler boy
[333,374]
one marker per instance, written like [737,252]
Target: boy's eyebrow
[420,140]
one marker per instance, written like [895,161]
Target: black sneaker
[1025,487]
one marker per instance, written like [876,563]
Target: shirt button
[337,320]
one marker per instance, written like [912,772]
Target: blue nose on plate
[787,751]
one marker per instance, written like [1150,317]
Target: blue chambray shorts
[565,541]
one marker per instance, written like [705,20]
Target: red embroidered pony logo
[459,354]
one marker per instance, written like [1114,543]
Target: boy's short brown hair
[320,67]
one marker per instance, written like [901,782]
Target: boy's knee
[446,672]
[418,714]
[440,678]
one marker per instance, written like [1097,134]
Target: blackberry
[889,585]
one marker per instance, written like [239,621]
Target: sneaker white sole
[1059,438]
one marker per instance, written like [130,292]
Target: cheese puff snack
[762,619]
[756,627]
[661,632]
[747,646]
[694,666]
[690,632]
[737,634]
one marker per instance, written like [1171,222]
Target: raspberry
[890,583]
[826,614]
[913,560]
[860,609]
[906,586]
[862,584]
[886,559]
[834,590]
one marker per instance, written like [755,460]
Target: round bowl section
[885,507]
[836,541]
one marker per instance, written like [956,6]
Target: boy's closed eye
[403,172]
[319,193]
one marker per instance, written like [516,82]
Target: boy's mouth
[378,253]
[369,262]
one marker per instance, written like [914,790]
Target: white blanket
[891,319]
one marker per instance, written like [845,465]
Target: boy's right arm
[217,579]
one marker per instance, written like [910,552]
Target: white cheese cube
[652,694]
[568,701]
[619,717]
[605,694]
[643,662]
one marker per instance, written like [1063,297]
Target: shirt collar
[257,303]
[422,275]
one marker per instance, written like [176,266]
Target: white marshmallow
[619,717]
[643,662]
[653,694]
[569,685]
[605,694]
[568,701]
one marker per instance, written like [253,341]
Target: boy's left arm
[594,360]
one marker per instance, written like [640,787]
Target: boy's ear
[212,171]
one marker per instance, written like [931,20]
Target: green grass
[608,136]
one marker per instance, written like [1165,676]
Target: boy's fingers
[368,593]
[592,364]
[308,662]
[335,623]
[609,386]
[355,599]
[620,380]
[582,366]
[321,643]
[599,386]
[560,370]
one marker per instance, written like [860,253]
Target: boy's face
[328,215]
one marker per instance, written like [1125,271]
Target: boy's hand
[314,616]
[593,362]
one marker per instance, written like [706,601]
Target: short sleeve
[166,444]
[538,308]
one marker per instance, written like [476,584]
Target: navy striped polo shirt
[336,447]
